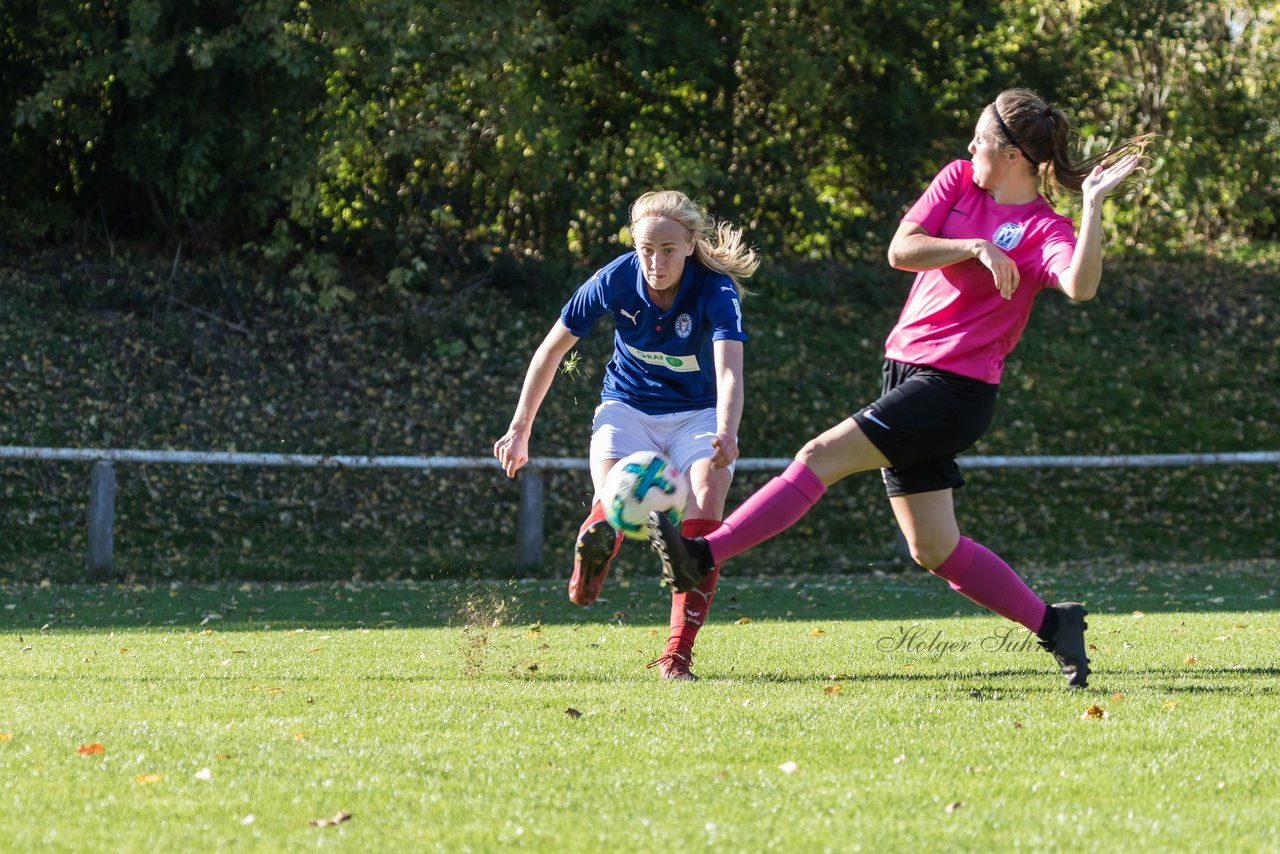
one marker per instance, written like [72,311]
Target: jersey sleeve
[1056,251]
[724,309]
[931,209]
[586,305]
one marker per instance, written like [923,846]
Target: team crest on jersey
[1008,235]
[684,325]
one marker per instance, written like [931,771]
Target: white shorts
[684,437]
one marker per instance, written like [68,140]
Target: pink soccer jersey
[955,318]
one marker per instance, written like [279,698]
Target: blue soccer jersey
[663,361]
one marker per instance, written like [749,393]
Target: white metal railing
[102,482]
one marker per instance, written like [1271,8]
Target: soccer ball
[639,484]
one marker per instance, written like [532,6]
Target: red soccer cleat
[597,545]
[674,664]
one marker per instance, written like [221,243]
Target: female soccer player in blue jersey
[983,243]
[674,384]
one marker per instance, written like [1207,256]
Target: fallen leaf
[1093,713]
[1190,659]
[1171,705]
[6,736]
[299,736]
[148,778]
[742,621]
[831,690]
[330,822]
[954,805]
[572,712]
[816,632]
[1117,696]
[1017,725]
[91,749]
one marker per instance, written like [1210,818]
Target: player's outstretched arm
[1081,280]
[512,450]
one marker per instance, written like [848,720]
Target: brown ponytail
[1042,132]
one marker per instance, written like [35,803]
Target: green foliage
[1203,76]
[181,116]
[349,145]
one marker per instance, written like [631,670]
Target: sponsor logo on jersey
[684,325]
[633,316]
[680,364]
[1008,235]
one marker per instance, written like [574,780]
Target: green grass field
[866,712]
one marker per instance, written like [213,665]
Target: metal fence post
[102,520]
[529,520]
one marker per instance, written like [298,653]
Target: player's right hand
[1003,270]
[512,450]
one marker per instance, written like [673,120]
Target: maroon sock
[689,610]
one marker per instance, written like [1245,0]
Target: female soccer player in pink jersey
[674,384]
[983,243]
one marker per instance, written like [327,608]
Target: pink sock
[773,508]
[978,573]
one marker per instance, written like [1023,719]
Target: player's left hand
[726,450]
[1104,179]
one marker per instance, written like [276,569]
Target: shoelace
[672,658]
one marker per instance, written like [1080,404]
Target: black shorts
[924,417]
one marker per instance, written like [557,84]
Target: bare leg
[928,521]
[839,452]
